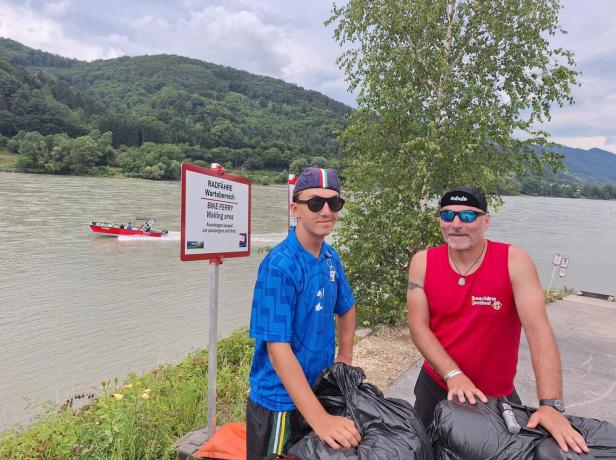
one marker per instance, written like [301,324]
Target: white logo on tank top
[486,301]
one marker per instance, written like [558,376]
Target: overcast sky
[287,39]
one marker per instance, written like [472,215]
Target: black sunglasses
[465,216]
[316,203]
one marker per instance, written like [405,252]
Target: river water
[77,309]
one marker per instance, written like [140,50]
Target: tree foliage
[39,102]
[60,154]
[449,92]
[164,99]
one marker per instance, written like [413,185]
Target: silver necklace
[462,280]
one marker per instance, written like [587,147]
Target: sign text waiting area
[215,214]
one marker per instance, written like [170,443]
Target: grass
[8,160]
[142,417]
[261,176]
[556,294]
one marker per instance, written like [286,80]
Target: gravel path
[385,354]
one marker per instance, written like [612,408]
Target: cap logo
[458,198]
[324,182]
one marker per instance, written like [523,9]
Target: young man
[300,286]
[467,303]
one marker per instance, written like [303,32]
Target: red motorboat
[144,229]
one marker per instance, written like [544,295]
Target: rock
[363,332]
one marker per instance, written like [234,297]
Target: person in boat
[129,226]
[300,286]
[468,300]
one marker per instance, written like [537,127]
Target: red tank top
[478,323]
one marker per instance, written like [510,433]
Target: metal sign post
[212,348]
[291,187]
[215,224]
[560,263]
[556,262]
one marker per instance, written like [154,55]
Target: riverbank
[8,163]
[143,416]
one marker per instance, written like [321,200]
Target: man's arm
[346,336]
[424,338]
[334,430]
[545,357]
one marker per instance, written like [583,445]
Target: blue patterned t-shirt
[295,298]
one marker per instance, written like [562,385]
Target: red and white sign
[291,187]
[215,214]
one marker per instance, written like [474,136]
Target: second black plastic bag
[478,432]
[389,428]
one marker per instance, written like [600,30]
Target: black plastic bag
[389,428]
[478,432]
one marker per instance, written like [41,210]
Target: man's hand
[560,429]
[463,388]
[336,431]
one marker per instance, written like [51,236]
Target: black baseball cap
[468,196]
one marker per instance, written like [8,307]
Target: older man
[467,303]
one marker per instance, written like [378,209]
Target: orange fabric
[228,443]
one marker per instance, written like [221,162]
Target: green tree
[153,161]
[79,154]
[298,165]
[319,162]
[443,86]
[252,164]
[33,151]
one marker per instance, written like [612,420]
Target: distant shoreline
[261,176]
[269,177]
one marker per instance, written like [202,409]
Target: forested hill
[594,166]
[168,99]
[147,114]
[38,101]
[179,99]
[589,174]
[16,53]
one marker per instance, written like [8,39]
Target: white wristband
[452,374]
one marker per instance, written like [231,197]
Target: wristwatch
[555,403]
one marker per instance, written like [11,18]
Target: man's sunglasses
[465,216]
[316,203]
